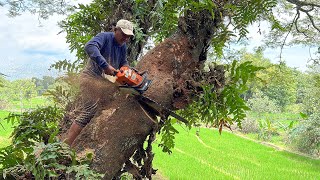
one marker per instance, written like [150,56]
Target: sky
[28,47]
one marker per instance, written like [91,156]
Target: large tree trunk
[121,126]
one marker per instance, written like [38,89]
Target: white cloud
[28,46]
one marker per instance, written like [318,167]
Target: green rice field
[228,156]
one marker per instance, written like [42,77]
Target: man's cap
[126,26]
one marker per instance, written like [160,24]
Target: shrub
[260,103]
[267,129]
[36,153]
[294,108]
[249,125]
[4,104]
[306,136]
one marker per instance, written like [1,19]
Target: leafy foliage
[36,152]
[311,91]
[43,84]
[42,161]
[306,136]
[300,20]
[267,129]
[249,125]
[39,125]
[218,107]
[167,137]
[2,79]
[65,90]
[246,12]
[80,27]
[19,89]
[261,103]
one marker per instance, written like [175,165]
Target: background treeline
[22,92]
[284,105]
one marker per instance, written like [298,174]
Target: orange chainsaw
[130,78]
[136,84]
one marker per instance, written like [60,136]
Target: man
[107,52]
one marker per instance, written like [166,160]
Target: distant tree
[311,100]
[42,8]
[2,79]
[261,103]
[43,84]
[297,23]
[22,89]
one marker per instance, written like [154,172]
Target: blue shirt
[103,49]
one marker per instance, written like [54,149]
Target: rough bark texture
[121,126]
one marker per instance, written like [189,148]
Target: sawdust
[83,154]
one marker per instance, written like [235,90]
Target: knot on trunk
[186,90]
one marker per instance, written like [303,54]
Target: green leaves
[222,107]
[216,106]
[245,13]
[67,65]
[36,151]
[167,137]
[35,126]
[303,115]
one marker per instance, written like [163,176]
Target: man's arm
[93,47]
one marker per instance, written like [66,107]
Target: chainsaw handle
[116,72]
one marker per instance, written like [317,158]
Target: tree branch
[311,19]
[303,3]
[300,7]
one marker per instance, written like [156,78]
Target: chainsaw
[133,83]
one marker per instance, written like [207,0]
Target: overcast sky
[27,49]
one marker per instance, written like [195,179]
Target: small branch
[285,39]
[297,28]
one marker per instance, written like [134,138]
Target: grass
[227,156]
[288,117]
[31,103]
[280,121]
[5,130]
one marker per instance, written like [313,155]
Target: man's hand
[110,70]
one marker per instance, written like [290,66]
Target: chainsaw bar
[153,104]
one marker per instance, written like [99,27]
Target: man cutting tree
[107,52]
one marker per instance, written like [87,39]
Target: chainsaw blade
[160,108]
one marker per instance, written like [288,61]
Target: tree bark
[121,126]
